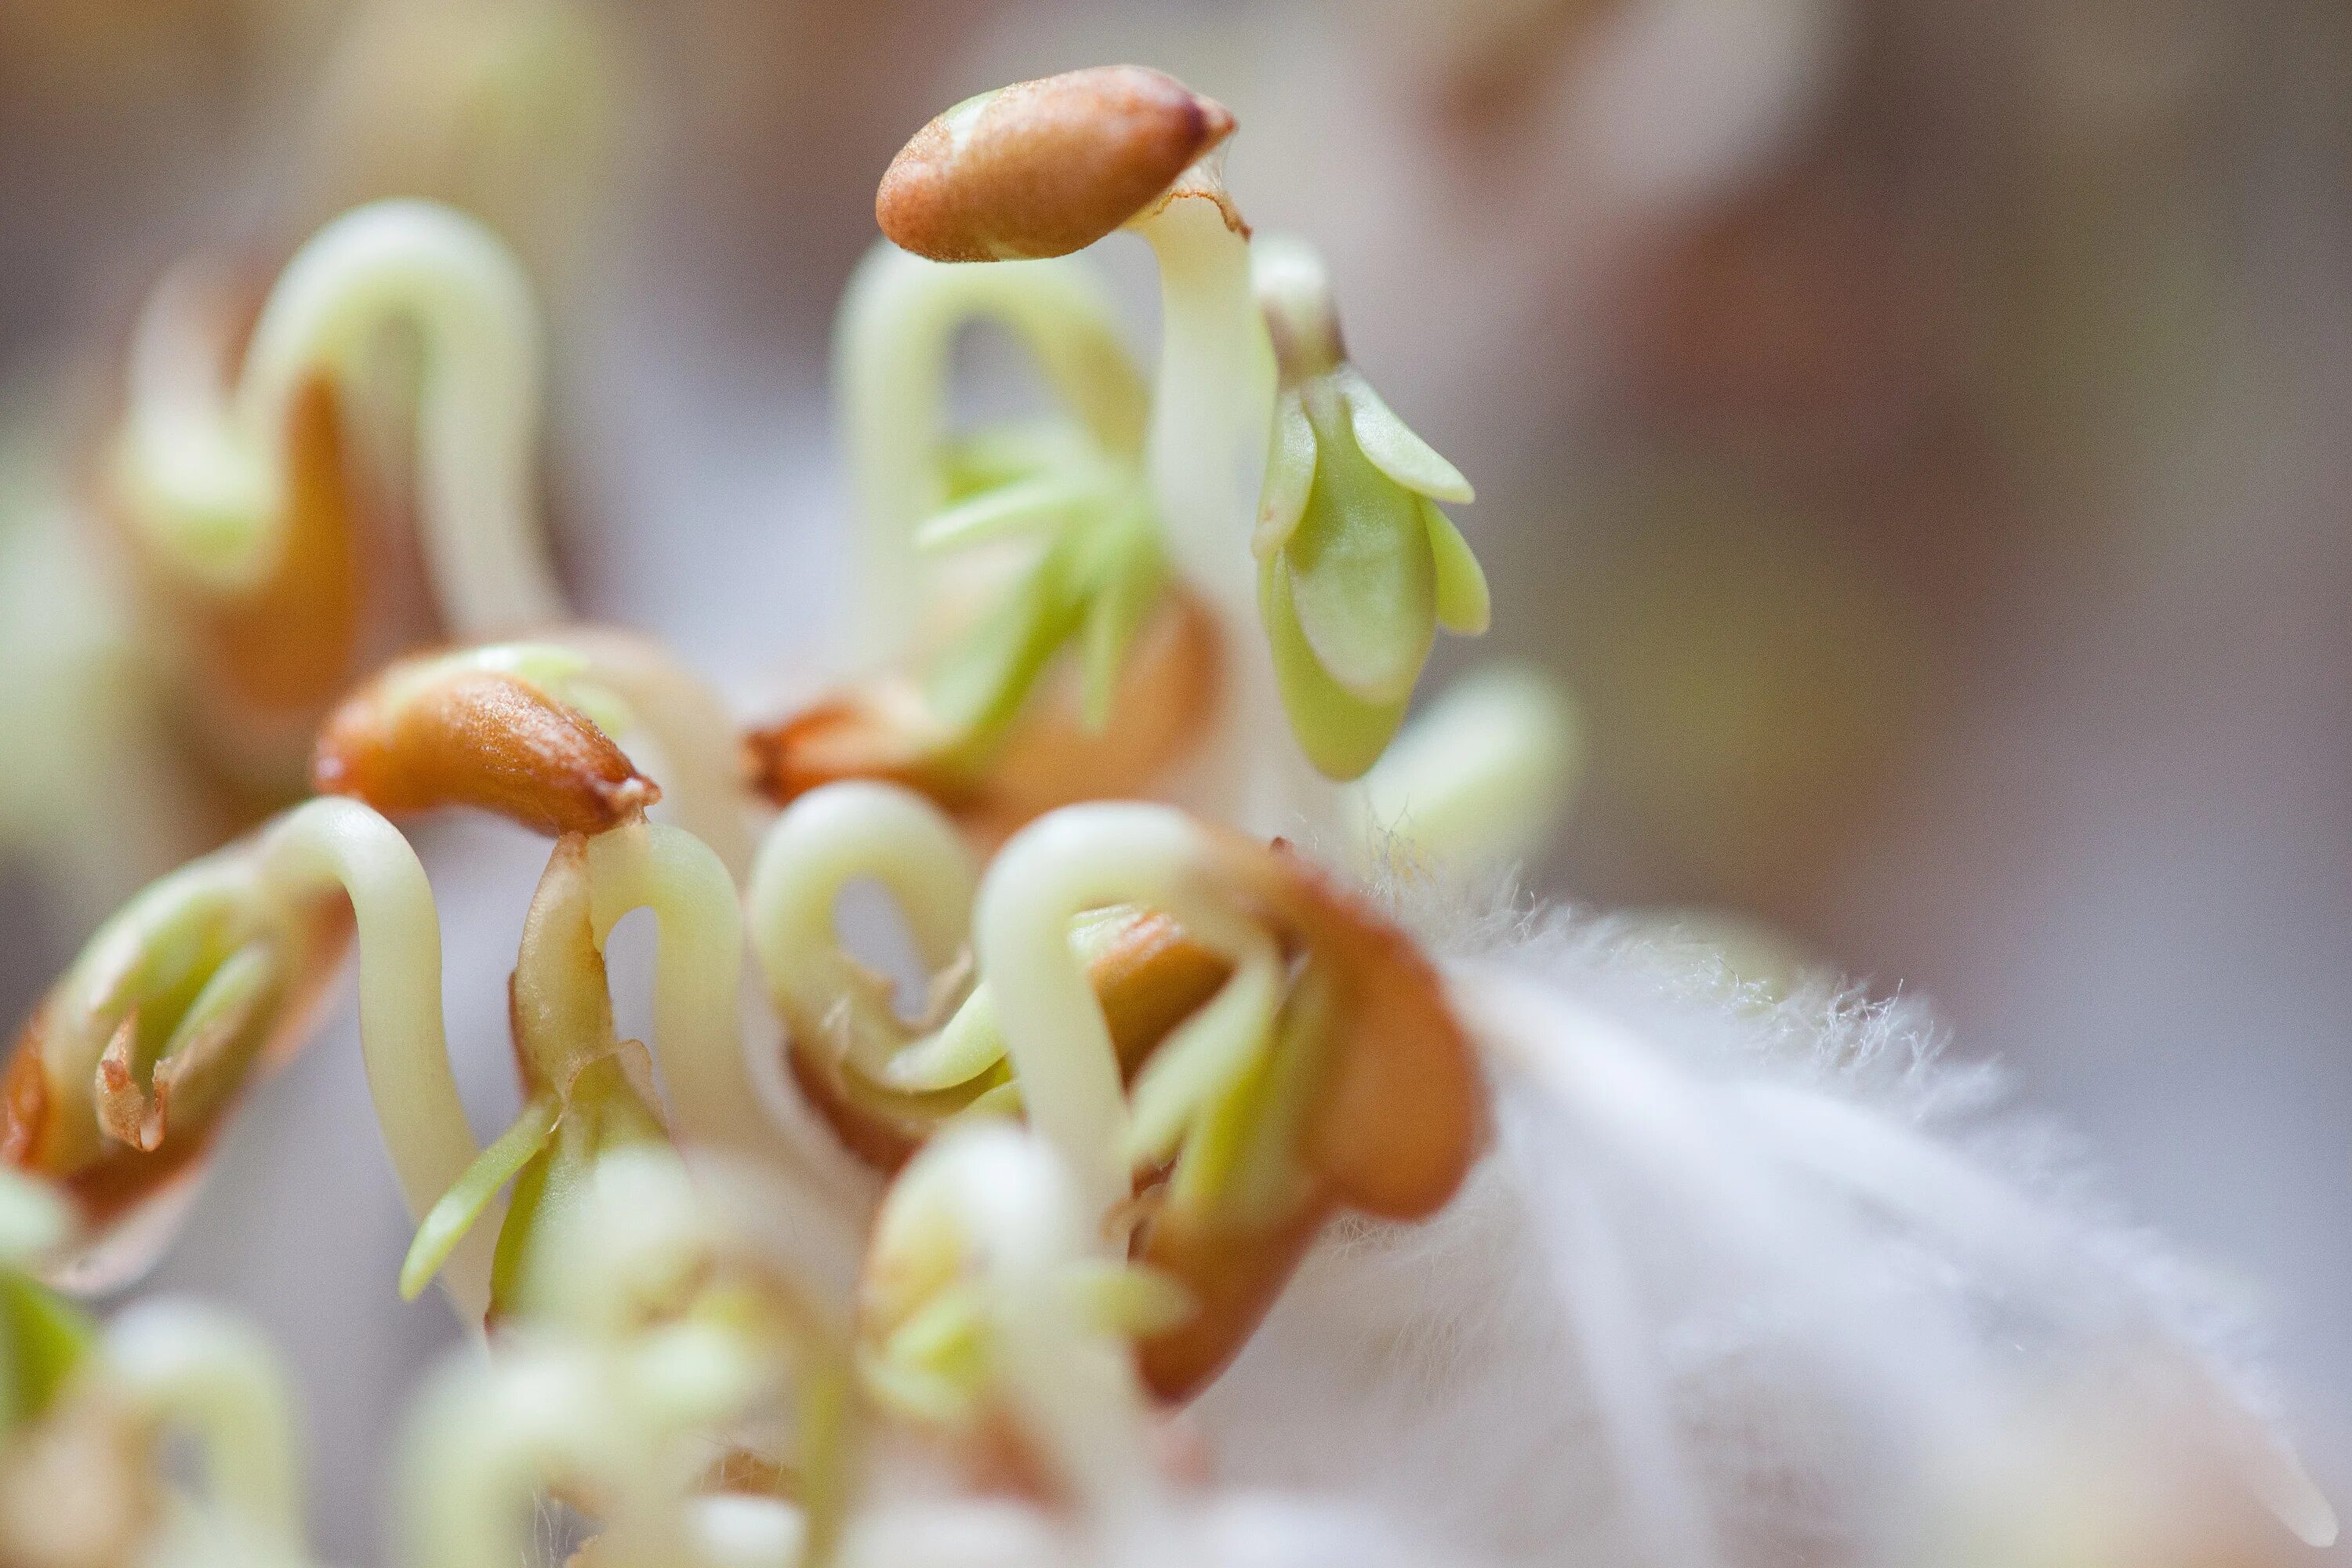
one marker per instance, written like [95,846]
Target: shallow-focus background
[1917,431]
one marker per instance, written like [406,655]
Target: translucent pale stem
[1213,400]
[829,837]
[1072,1388]
[697,974]
[401,1034]
[1078,858]
[216,472]
[207,1375]
[893,345]
[1213,405]
[487,1439]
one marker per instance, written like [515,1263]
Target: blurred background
[1918,432]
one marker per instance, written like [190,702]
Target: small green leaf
[1115,613]
[1289,477]
[976,689]
[531,1194]
[1394,450]
[1131,1299]
[204,1061]
[999,454]
[1199,1062]
[968,1045]
[1033,505]
[1362,579]
[47,1339]
[1341,733]
[1463,605]
[449,1220]
[1004,1101]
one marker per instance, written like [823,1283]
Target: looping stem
[215,470]
[1059,866]
[401,1038]
[892,345]
[828,839]
[697,974]
[189,1366]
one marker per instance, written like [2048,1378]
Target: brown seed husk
[478,738]
[880,729]
[1046,167]
[287,646]
[107,1192]
[1232,1273]
[1396,1127]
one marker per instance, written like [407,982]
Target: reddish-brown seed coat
[1397,1125]
[483,739]
[1232,1273]
[287,646]
[1046,167]
[1391,1132]
[1166,698]
[123,1177]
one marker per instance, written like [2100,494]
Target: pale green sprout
[1069,487]
[990,1287]
[184,1366]
[1098,571]
[1044,909]
[897,329]
[698,1037]
[633,1369]
[401,1038]
[1358,565]
[1086,857]
[1045,168]
[184,975]
[1476,783]
[204,469]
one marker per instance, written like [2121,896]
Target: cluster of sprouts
[1020,1250]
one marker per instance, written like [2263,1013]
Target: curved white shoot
[594,1400]
[892,345]
[1212,398]
[191,1368]
[401,1038]
[1212,408]
[999,1196]
[697,974]
[823,842]
[486,1441]
[1063,864]
[209,471]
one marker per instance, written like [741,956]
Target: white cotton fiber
[1743,1280]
